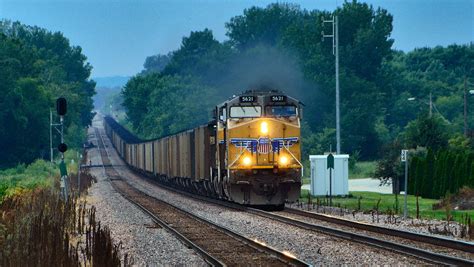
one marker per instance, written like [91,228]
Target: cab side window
[222,114]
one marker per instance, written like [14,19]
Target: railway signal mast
[335,51]
[61,109]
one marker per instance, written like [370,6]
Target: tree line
[280,45]
[384,92]
[36,67]
[434,174]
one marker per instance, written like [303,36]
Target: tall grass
[39,228]
[40,173]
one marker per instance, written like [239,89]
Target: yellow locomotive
[249,154]
[258,135]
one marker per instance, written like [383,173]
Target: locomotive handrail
[238,157]
[301,165]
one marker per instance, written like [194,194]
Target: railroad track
[217,245]
[431,256]
[418,237]
[436,253]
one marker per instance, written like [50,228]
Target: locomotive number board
[247,98]
[278,98]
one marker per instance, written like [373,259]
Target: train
[249,153]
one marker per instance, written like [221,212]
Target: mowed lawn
[368,202]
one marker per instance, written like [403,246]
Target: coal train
[250,153]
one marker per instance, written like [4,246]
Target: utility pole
[335,51]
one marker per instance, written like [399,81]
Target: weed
[38,228]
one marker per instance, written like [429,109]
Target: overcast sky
[117,36]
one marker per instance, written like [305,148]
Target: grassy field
[363,169]
[38,174]
[368,202]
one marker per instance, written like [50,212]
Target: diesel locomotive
[249,154]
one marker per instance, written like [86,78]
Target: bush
[38,174]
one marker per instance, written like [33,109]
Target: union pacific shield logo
[263,145]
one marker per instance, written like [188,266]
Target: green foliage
[37,174]
[280,46]
[460,143]
[155,63]
[389,168]
[167,104]
[40,173]
[435,174]
[363,169]
[38,66]
[426,131]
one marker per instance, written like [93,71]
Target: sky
[117,35]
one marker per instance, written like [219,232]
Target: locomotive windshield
[245,112]
[281,111]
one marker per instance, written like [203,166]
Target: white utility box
[320,175]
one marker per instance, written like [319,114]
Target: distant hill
[111,81]
[107,88]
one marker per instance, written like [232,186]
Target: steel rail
[419,237]
[284,257]
[408,250]
[429,256]
[206,256]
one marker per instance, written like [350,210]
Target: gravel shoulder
[314,248]
[147,243]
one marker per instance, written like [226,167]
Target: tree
[38,66]
[156,63]
[389,169]
[426,131]
[262,25]
[429,181]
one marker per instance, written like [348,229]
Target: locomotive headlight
[247,161]
[283,160]
[264,127]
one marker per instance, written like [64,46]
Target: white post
[404,158]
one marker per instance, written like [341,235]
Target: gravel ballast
[315,248]
[144,241]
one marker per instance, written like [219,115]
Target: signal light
[62,147]
[61,106]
